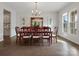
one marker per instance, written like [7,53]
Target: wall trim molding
[65,39]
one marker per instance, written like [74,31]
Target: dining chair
[46,34]
[36,36]
[17,29]
[54,33]
[26,37]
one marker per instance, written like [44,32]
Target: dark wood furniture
[37,21]
[34,33]
[26,35]
[17,29]
[47,34]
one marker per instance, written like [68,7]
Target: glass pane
[65,22]
[73,22]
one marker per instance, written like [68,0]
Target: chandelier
[35,11]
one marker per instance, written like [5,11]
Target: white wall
[45,16]
[73,38]
[13,19]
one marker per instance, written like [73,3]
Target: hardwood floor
[61,48]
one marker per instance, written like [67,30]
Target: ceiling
[22,7]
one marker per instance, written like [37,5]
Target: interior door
[6,26]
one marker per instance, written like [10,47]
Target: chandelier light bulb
[32,11]
[35,11]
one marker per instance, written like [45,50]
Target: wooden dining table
[35,32]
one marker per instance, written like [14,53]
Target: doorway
[6,27]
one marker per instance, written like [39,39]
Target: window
[49,21]
[65,22]
[69,22]
[73,21]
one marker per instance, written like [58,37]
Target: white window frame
[70,20]
[63,22]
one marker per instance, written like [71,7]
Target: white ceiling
[23,7]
